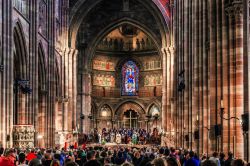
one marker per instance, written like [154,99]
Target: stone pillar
[86,102]
[239,91]
[167,90]
[68,99]
[168,55]
[231,78]
[236,104]
[6,76]
[66,90]
[165,117]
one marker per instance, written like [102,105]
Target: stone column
[168,54]
[239,91]
[6,90]
[164,90]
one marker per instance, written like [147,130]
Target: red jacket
[31,156]
[7,161]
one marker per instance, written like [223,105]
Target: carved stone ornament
[168,139]
[23,136]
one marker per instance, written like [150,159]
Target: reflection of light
[39,137]
[155,112]
[104,113]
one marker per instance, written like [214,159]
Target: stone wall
[209,48]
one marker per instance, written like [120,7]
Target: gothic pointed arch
[20,52]
[129,104]
[41,68]
[42,93]
[154,110]
[20,62]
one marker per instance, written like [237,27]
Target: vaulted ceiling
[91,20]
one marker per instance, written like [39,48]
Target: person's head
[230,155]
[208,163]
[107,160]
[204,157]
[222,155]
[57,156]
[238,162]
[47,156]
[103,154]
[191,154]
[215,154]
[35,162]
[10,153]
[137,154]
[160,162]
[172,161]
[21,157]
[172,150]
[1,151]
[91,155]
[55,163]
[161,151]
[71,163]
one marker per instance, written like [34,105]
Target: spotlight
[39,137]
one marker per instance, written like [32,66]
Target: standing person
[222,159]
[238,162]
[91,159]
[21,159]
[215,158]
[31,155]
[229,160]
[8,159]
[192,161]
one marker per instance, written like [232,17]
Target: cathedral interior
[71,66]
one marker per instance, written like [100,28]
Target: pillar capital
[168,50]
[234,8]
[70,51]
[171,49]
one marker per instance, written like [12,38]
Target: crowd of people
[125,136]
[116,155]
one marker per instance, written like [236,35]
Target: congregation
[116,155]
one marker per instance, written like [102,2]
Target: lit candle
[197,117]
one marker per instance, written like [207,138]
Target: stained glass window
[130,79]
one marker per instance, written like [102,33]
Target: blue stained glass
[130,79]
